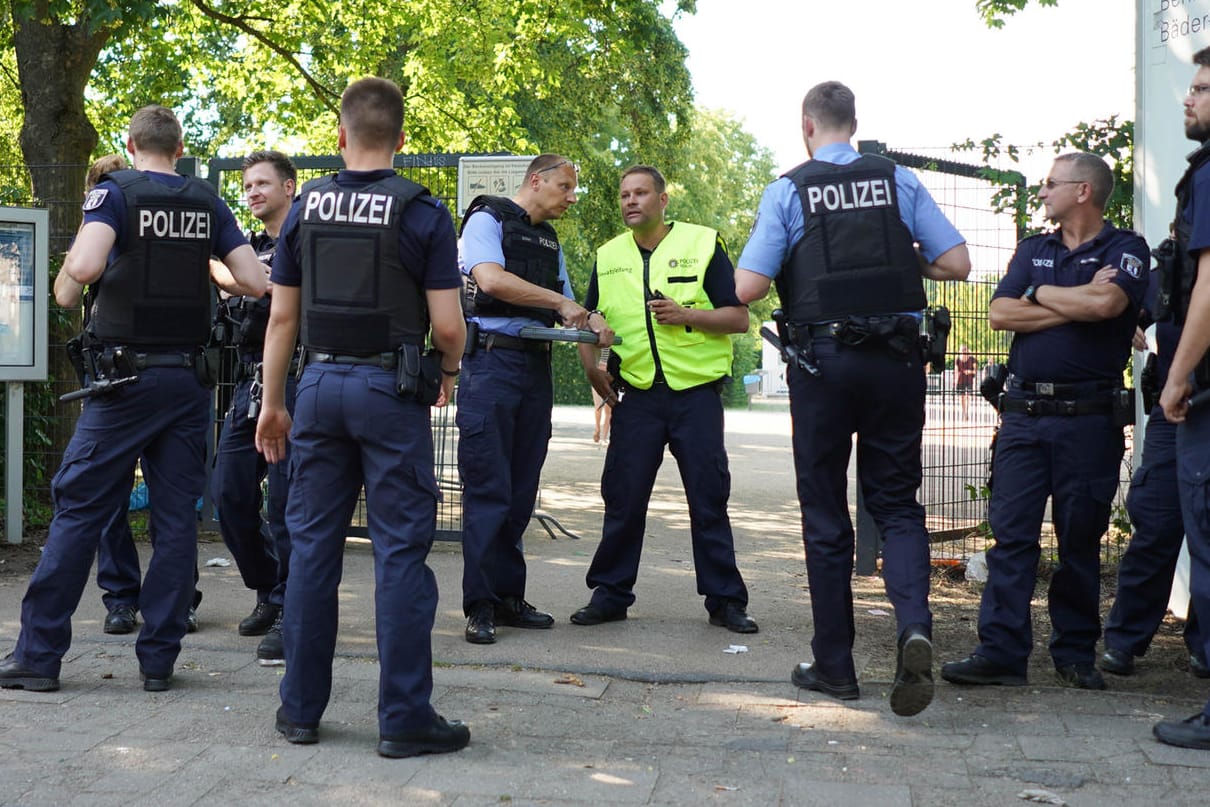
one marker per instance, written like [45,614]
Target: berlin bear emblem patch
[1131,265]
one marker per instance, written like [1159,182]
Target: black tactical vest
[357,296]
[157,292]
[531,252]
[248,317]
[856,256]
[1176,287]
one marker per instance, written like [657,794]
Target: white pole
[13,458]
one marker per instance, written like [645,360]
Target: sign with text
[1167,34]
[497,176]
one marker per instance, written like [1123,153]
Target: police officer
[669,289]
[1190,372]
[1146,569]
[260,546]
[836,233]
[1071,298]
[145,246]
[366,267]
[516,276]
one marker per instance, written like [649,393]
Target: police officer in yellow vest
[667,288]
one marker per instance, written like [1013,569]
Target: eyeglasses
[1050,184]
[1198,89]
[557,166]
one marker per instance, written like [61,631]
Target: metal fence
[959,425]
[958,428]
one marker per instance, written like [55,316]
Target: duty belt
[144,360]
[492,341]
[387,361]
[1051,389]
[247,369]
[1042,407]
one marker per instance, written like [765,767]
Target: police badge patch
[94,199]
[1131,265]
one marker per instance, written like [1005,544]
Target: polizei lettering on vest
[862,193]
[349,207]
[193,225]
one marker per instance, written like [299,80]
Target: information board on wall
[1168,33]
[497,176]
[23,292]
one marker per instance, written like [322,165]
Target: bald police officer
[1071,297]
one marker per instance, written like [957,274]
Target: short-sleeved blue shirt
[427,245]
[111,210]
[779,220]
[1077,351]
[481,242]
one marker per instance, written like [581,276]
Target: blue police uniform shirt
[482,242]
[1077,351]
[426,238]
[111,210]
[779,219]
[718,282]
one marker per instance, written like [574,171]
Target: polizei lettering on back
[191,225]
[349,207]
[855,195]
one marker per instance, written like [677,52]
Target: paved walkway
[648,711]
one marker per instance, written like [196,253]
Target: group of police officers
[371,322]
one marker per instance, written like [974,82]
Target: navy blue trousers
[1074,461]
[504,402]
[259,545]
[1193,476]
[1149,563]
[163,419]
[690,423]
[878,395]
[352,428]
[118,570]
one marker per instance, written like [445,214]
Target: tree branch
[326,96]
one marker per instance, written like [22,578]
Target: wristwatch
[1031,294]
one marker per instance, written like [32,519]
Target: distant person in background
[965,368]
[602,415]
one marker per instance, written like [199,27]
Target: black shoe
[805,676]
[121,620]
[734,617]
[481,625]
[1118,662]
[15,675]
[156,683]
[1193,732]
[294,733]
[1080,676]
[1198,667]
[595,615]
[517,613]
[271,652]
[978,671]
[260,620]
[191,620]
[912,689]
[441,737]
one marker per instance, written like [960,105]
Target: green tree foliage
[993,12]
[1109,137]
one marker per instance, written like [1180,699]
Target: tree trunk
[54,63]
